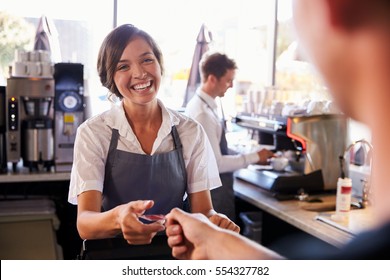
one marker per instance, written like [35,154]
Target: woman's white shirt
[94,136]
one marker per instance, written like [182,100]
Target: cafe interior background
[258,35]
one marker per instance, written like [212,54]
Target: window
[292,71]
[239,28]
[296,79]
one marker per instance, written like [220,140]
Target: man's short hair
[216,64]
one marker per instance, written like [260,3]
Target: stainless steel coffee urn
[69,111]
[29,116]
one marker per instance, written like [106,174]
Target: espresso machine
[29,119]
[69,111]
[313,143]
[3,155]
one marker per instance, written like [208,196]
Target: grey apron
[130,176]
[223,197]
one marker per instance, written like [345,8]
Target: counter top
[34,177]
[312,218]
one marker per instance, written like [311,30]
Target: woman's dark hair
[111,51]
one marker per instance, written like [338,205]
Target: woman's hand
[223,221]
[201,203]
[133,230]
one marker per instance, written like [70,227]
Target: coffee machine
[314,144]
[3,155]
[29,119]
[69,111]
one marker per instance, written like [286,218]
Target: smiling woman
[124,155]
[144,69]
[142,60]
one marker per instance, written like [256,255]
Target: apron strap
[114,140]
[179,146]
[176,138]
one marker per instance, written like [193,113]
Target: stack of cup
[35,63]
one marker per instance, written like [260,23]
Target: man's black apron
[223,197]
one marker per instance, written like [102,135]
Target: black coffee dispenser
[69,111]
[3,148]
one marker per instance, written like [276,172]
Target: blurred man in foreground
[348,41]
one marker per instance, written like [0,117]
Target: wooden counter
[293,212]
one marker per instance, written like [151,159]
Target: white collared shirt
[94,136]
[205,112]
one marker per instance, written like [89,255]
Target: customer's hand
[188,234]
[264,155]
[133,230]
[223,221]
[193,236]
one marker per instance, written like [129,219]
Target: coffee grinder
[29,118]
[69,111]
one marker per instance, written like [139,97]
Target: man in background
[217,74]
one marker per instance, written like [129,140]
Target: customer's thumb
[176,214]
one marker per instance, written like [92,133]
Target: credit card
[152,218]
